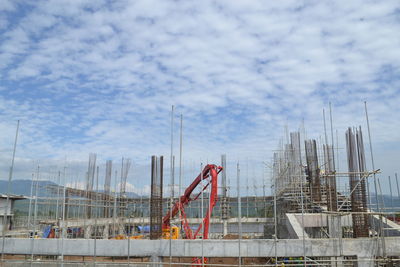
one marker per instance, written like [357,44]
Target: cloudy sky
[101,76]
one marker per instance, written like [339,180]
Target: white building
[6,211]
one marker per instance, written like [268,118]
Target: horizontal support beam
[146,220]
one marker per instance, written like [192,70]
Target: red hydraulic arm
[210,171]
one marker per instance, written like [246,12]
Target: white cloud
[92,76]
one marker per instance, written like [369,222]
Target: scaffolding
[306,186]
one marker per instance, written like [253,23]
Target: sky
[101,76]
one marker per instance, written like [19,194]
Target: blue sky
[101,76]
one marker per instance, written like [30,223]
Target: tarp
[46,231]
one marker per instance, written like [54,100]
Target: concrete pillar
[121,229]
[63,232]
[88,231]
[106,231]
[334,226]
[335,231]
[225,226]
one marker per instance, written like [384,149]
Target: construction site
[311,212]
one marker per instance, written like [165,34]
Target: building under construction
[315,215]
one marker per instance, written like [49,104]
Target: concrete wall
[5,209]
[321,220]
[6,221]
[3,206]
[362,247]
[294,227]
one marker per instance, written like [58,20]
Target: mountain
[23,187]
[387,202]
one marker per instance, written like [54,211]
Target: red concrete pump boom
[210,174]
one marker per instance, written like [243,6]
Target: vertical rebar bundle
[276,171]
[296,157]
[362,168]
[90,182]
[295,141]
[126,164]
[287,166]
[313,171]
[357,168]
[289,159]
[156,197]
[330,181]
[107,180]
[91,171]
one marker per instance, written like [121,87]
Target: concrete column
[335,231]
[121,229]
[63,232]
[106,231]
[88,231]
[225,226]
[334,226]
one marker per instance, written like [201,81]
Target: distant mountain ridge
[387,202]
[23,187]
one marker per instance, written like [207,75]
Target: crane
[210,174]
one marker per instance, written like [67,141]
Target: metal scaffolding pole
[275,220]
[302,222]
[381,234]
[239,213]
[180,166]
[171,172]
[58,193]
[247,188]
[224,206]
[398,191]
[202,216]
[391,197]
[35,213]
[96,215]
[8,192]
[30,202]
[397,183]
[115,204]
[63,229]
